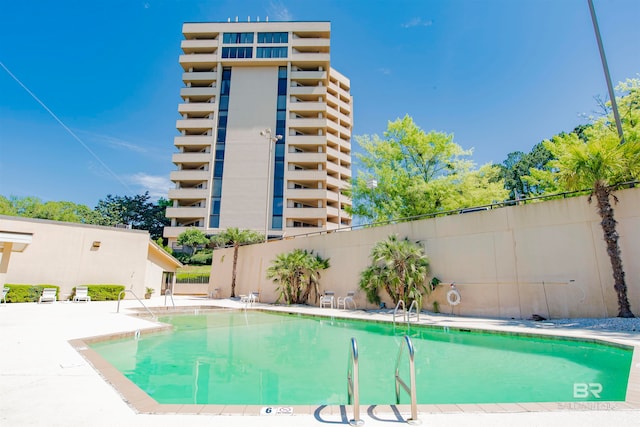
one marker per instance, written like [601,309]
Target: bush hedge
[204,257]
[101,292]
[27,293]
[182,257]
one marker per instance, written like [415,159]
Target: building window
[278,160]
[273,37]
[237,38]
[300,224]
[216,188]
[237,52]
[271,52]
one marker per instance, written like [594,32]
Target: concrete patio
[45,381]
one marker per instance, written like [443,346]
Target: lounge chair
[327,299]
[48,294]
[5,291]
[82,294]
[345,301]
[254,297]
[251,298]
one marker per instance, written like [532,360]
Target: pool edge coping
[142,403]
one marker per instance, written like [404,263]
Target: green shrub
[436,307]
[27,293]
[101,292]
[191,276]
[182,257]
[203,257]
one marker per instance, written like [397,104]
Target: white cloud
[157,186]
[277,11]
[113,141]
[417,22]
[385,71]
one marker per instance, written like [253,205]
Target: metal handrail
[168,291]
[139,300]
[417,306]
[395,311]
[411,390]
[505,203]
[353,388]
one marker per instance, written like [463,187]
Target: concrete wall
[63,254]
[252,107]
[545,258]
[191,289]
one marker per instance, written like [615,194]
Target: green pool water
[257,358]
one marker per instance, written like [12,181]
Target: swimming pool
[255,358]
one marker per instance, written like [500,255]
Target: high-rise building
[265,130]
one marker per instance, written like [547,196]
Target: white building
[265,132]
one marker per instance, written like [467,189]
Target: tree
[418,173]
[192,238]
[598,161]
[33,207]
[235,237]
[6,207]
[400,267]
[313,264]
[516,171]
[297,274]
[137,211]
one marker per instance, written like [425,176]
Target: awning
[19,241]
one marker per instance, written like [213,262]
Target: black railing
[521,201]
[505,203]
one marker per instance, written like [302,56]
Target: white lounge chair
[48,294]
[82,294]
[5,291]
[254,297]
[251,298]
[328,299]
[345,301]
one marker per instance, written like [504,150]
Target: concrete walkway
[44,381]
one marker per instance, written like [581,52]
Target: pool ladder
[353,388]
[139,300]
[170,293]
[411,388]
[407,314]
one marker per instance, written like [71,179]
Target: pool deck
[46,377]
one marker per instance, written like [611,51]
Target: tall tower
[265,130]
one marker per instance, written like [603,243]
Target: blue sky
[501,75]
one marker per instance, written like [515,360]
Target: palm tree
[400,267]
[598,163]
[235,237]
[297,274]
[313,265]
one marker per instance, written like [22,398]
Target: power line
[76,137]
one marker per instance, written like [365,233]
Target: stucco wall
[546,258]
[62,254]
[252,107]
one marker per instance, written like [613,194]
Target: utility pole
[603,58]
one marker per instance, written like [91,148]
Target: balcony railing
[188,193]
[190,92]
[186,212]
[189,175]
[191,158]
[305,213]
[306,175]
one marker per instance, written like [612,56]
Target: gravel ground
[608,324]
